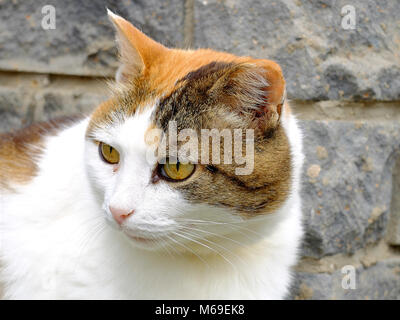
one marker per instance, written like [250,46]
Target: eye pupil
[108,153]
[176,171]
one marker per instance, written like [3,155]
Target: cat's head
[160,92]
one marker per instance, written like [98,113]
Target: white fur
[56,242]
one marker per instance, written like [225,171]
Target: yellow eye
[108,153]
[177,171]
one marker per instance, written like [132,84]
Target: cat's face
[157,200]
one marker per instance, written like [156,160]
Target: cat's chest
[77,255]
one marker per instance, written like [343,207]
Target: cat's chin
[145,243]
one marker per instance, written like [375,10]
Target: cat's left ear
[137,51]
[255,89]
[275,94]
[276,91]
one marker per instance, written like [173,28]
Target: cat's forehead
[160,81]
[127,134]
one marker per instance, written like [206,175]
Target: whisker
[209,222]
[206,246]
[220,246]
[165,246]
[86,237]
[214,234]
[90,238]
[187,248]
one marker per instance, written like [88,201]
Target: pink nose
[120,215]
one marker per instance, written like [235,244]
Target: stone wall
[343,84]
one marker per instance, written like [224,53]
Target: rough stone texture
[355,111]
[320,59]
[393,235]
[83,41]
[347,181]
[380,281]
[13,109]
[29,98]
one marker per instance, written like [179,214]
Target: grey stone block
[380,281]
[32,98]
[15,109]
[393,232]
[56,103]
[83,41]
[347,181]
[320,60]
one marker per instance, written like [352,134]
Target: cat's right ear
[137,51]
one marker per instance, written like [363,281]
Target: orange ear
[276,84]
[255,88]
[137,51]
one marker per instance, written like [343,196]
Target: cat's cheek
[102,178]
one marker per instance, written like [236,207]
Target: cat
[86,215]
